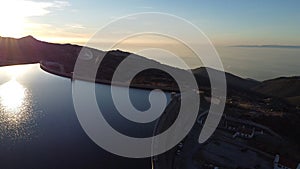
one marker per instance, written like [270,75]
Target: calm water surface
[39,127]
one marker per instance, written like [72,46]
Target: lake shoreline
[101,81]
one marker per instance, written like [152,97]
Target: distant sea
[260,63]
[255,62]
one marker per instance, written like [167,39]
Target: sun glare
[15,110]
[12,21]
[14,15]
[16,71]
[12,96]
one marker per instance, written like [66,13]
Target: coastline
[46,68]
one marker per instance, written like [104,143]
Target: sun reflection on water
[15,110]
[12,95]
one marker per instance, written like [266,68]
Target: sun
[15,15]
[11,28]
[12,21]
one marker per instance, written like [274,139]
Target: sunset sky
[225,22]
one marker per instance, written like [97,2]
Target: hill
[31,50]
[246,98]
[233,81]
[283,87]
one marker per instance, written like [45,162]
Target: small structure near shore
[244,132]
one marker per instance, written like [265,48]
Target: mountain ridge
[31,50]
[246,98]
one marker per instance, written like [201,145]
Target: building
[244,132]
[284,163]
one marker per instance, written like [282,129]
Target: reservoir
[39,127]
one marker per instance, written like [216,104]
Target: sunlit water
[13,96]
[16,113]
[39,127]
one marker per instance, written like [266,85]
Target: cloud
[75,26]
[24,8]
[60,4]
[15,16]
[63,34]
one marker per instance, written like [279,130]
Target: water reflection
[12,96]
[15,110]
[16,71]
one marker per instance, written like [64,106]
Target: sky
[225,22]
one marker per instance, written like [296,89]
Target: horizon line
[267,46]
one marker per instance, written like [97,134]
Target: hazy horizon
[234,23]
[225,23]
[259,63]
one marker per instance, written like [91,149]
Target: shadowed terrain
[266,102]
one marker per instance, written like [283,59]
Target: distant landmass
[268,46]
[60,59]
[274,103]
[31,50]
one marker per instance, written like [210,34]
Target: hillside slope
[283,87]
